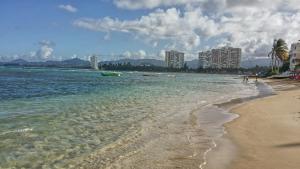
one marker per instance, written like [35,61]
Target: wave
[24,130]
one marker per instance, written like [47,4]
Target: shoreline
[197,157]
[225,150]
[255,135]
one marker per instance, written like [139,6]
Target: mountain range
[79,63]
[65,63]
[257,61]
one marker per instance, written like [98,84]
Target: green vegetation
[152,68]
[279,54]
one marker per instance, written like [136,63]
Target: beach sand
[267,133]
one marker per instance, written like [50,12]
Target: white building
[294,55]
[174,59]
[235,55]
[94,62]
[226,57]
[204,59]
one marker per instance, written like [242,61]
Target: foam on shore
[225,150]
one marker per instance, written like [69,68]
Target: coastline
[266,127]
[171,147]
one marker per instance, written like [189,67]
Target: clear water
[55,118]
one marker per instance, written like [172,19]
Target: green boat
[110,74]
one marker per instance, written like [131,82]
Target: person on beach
[256,76]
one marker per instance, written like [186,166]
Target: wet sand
[266,135]
[179,143]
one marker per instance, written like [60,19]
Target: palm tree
[279,54]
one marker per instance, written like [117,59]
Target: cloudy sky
[114,29]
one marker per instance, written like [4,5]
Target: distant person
[256,76]
[247,79]
[244,78]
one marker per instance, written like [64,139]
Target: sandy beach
[266,135]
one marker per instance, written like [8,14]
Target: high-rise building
[174,59]
[226,57]
[216,58]
[204,59]
[294,55]
[94,62]
[235,57]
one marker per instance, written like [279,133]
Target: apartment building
[174,59]
[225,57]
[294,55]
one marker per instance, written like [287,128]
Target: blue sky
[113,29]
[26,23]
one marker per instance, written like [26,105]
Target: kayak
[110,74]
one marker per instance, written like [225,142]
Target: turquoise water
[52,117]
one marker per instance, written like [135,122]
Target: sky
[37,30]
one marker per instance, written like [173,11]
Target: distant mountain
[19,61]
[153,62]
[193,64]
[79,63]
[137,62]
[253,62]
[69,62]
[76,63]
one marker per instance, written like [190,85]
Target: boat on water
[110,73]
[148,74]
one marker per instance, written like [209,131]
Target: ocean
[71,118]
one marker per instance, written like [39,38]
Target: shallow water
[56,118]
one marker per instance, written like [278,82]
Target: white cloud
[184,30]
[74,56]
[141,54]
[199,24]
[149,4]
[45,52]
[126,55]
[162,54]
[209,4]
[68,8]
